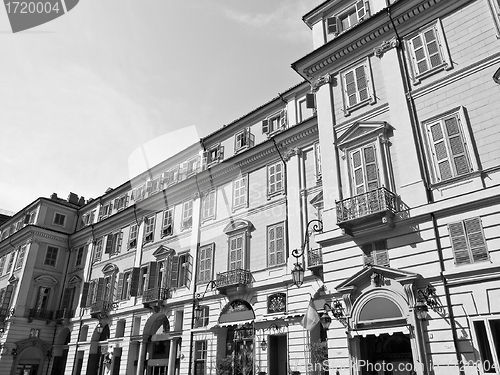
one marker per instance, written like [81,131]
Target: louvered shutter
[476,239]
[265,126]
[310,101]
[438,140]
[85,295]
[433,49]
[350,88]
[457,146]
[152,275]
[174,272]
[109,244]
[332,25]
[233,253]
[202,255]
[189,271]
[125,204]
[220,153]
[205,160]
[459,243]
[134,283]
[381,255]
[283,118]
[362,83]
[358,176]
[362,9]
[367,254]
[280,244]
[419,55]
[119,289]
[100,289]
[372,180]
[271,235]
[119,240]
[66,298]
[101,210]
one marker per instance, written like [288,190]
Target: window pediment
[238,225]
[163,252]
[75,280]
[109,269]
[359,131]
[46,280]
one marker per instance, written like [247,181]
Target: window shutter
[370,160]
[381,255]
[363,9]
[149,186]
[66,297]
[220,153]
[271,246]
[476,239]
[283,121]
[85,295]
[310,101]
[350,88]
[459,243]
[109,244]
[119,289]
[189,271]
[101,210]
[432,46]
[362,82]
[265,126]
[183,171]
[418,55]
[100,289]
[152,275]
[119,242]
[174,272]
[202,255]
[437,138]
[125,204]
[134,283]
[457,146]
[332,25]
[205,160]
[358,177]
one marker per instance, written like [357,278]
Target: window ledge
[446,184]
[436,69]
[275,194]
[463,273]
[349,110]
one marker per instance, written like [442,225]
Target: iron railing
[101,309]
[156,294]
[65,314]
[233,277]
[372,202]
[314,257]
[40,314]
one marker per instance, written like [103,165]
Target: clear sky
[82,93]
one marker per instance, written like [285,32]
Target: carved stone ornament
[323,80]
[385,46]
[196,195]
[291,153]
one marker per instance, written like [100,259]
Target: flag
[311,317]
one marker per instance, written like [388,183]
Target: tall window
[98,250]
[114,243]
[364,169]
[449,145]
[149,229]
[22,253]
[205,261]
[51,256]
[208,204]
[187,215]
[138,193]
[168,222]
[11,261]
[306,109]
[132,237]
[275,178]
[240,192]
[237,251]
[428,52]
[125,291]
[79,255]
[357,86]
[143,283]
[487,332]
[200,357]
[2,264]
[276,244]
[375,253]
[468,241]
[121,202]
[43,298]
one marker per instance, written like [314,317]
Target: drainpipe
[426,178]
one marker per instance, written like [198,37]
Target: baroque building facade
[187,266]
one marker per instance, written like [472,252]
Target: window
[168,222]
[2,264]
[182,269]
[275,244]
[187,215]
[98,250]
[88,218]
[468,241]
[149,229]
[204,317]
[213,155]
[188,168]
[42,301]
[208,204]
[113,243]
[105,210]
[375,253]
[79,256]
[306,107]
[51,256]
[274,123]
[364,169]
[357,86]
[143,283]
[448,146]
[138,193]
[205,261]
[121,203]
[240,192]
[59,219]
[20,259]
[124,293]
[274,179]
[152,186]
[171,175]
[132,237]
[11,261]
[487,332]
[351,16]
[243,140]
[237,251]
[428,52]
[317,156]
[200,357]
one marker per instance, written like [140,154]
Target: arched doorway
[30,357]
[99,359]
[60,352]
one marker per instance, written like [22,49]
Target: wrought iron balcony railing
[233,277]
[314,257]
[373,203]
[65,314]
[40,314]
[101,309]
[155,295]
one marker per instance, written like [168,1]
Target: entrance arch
[31,355]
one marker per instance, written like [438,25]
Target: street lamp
[314,225]
[198,310]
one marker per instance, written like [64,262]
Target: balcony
[101,309]
[314,258]
[155,296]
[41,314]
[233,278]
[367,208]
[64,314]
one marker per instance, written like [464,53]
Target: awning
[379,331]
[233,324]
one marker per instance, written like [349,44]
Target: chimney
[81,201]
[73,198]
[53,196]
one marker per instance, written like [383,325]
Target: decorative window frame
[205,248]
[132,241]
[149,236]
[333,23]
[138,193]
[121,202]
[213,209]
[374,248]
[57,256]
[115,245]
[213,155]
[83,248]
[277,191]
[281,120]
[465,132]
[243,140]
[237,228]
[243,177]
[167,229]
[105,211]
[268,243]
[171,176]
[370,99]
[63,225]
[187,220]
[446,63]
[22,256]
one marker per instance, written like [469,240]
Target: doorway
[277,355]
[386,354]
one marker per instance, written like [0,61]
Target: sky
[83,95]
